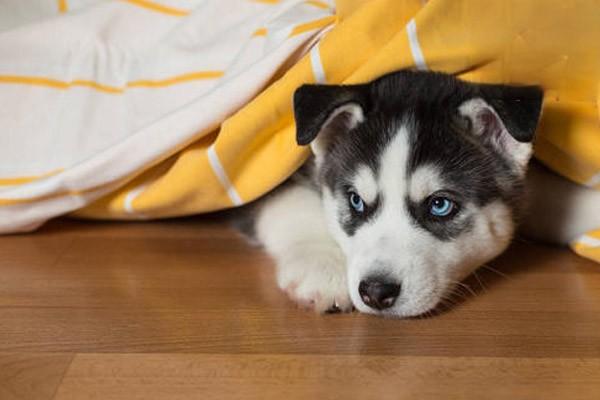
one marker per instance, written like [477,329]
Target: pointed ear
[506,117]
[323,111]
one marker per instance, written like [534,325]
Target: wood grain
[31,376]
[249,377]
[154,296]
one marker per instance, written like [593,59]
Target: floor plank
[30,376]
[222,377]
[149,295]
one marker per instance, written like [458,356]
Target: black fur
[427,102]
[313,104]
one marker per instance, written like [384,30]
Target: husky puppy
[417,179]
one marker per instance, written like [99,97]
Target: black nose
[378,294]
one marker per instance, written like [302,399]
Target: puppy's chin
[403,310]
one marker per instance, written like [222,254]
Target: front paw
[316,281]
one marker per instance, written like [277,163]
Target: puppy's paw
[316,280]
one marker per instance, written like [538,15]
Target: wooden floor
[185,309]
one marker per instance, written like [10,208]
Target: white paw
[316,280]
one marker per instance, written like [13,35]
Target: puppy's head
[422,175]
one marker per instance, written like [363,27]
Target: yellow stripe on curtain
[62,6]
[27,179]
[159,8]
[147,83]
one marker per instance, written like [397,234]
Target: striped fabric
[106,102]
[157,108]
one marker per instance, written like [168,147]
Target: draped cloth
[140,109]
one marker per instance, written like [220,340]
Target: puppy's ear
[506,117]
[322,111]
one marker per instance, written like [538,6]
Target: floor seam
[60,382]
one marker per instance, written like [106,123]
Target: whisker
[502,274]
[521,239]
[480,281]
[449,303]
[457,294]
[467,287]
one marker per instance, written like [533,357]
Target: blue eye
[441,206]
[356,202]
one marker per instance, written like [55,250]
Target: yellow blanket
[553,43]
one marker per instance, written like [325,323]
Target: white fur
[319,265]
[423,182]
[365,184]
[392,245]
[310,266]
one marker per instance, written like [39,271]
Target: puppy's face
[421,178]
